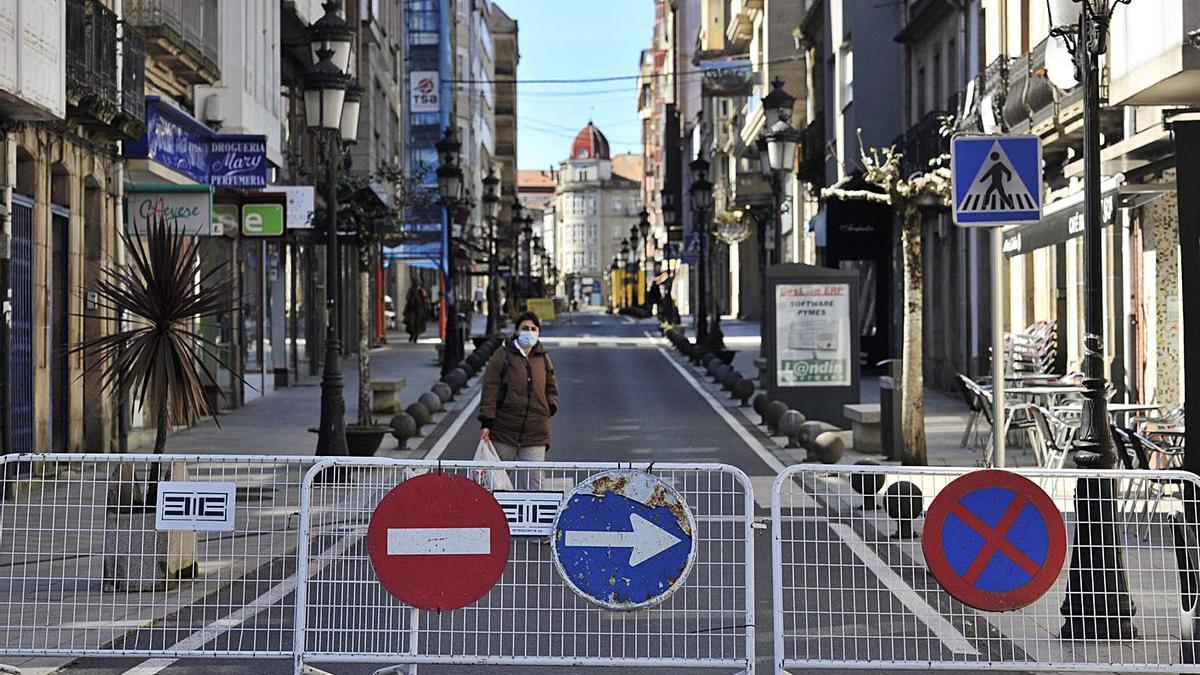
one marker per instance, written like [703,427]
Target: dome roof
[590,144]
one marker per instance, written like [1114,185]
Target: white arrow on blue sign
[997,180]
[624,539]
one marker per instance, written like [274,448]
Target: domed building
[597,199]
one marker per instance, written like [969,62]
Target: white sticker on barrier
[195,506]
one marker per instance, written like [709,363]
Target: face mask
[527,339]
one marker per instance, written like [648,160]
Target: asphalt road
[621,401]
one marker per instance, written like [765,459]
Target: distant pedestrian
[479,301]
[520,395]
[416,311]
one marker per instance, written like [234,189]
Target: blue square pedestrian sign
[996,180]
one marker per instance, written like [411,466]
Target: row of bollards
[903,500]
[407,424]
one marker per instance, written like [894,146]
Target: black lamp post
[644,227]
[327,112]
[450,186]
[527,259]
[491,212]
[635,260]
[701,193]
[1098,605]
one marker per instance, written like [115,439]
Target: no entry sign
[994,540]
[438,541]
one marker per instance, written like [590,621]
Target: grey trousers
[523,480]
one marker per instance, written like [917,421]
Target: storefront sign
[179,142]
[262,220]
[186,207]
[727,77]
[300,204]
[238,162]
[812,335]
[425,91]
[1055,228]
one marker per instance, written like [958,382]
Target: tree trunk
[163,423]
[364,346]
[914,450]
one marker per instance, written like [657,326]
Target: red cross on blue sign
[994,540]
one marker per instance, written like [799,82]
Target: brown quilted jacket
[523,418]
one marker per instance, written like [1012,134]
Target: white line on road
[215,629]
[440,447]
[938,624]
[439,540]
[933,619]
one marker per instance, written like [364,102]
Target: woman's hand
[485,434]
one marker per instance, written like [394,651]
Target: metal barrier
[84,570]
[530,616]
[853,588]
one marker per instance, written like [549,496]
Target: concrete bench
[385,395]
[865,424]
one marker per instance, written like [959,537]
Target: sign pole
[997,348]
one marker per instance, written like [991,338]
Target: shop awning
[1061,221]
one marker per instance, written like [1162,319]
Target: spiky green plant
[157,354]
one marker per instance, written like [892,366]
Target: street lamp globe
[491,201]
[624,248]
[764,157]
[634,233]
[333,33]
[781,147]
[668,207]
[644,223]
[449,176]
[351,106]
[1064,12]
[778,104]
[324,94]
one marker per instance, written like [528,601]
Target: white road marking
[938,624]
[439,540]
[440,447]
[273,596]
[950,636]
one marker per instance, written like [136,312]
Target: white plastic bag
[492,479]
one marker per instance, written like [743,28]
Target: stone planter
[364,441]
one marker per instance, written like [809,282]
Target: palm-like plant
[155,353]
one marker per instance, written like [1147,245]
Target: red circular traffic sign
[994,540]
[438,541]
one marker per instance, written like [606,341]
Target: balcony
[741,23]
[812,152]
[981,112]
[1016,113]
[132,119]
[924,143]
[181,34]
[1153,58]
[91,62]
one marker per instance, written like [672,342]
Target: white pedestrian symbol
[997,187]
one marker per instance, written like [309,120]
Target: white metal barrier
[85,570]
[851,590]
[530,616]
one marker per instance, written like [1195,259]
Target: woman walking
[520,395]
[416,311]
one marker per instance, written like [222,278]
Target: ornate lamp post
[326,108]
[527,259]
[1097,605]
[514,272]
[701,193]
[644,227]
[450,186]
[491,213]
[635,261]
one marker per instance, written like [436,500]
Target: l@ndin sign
[812,334]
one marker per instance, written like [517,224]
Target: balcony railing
[133,82]
[924,142]
[91,60]
[183,33]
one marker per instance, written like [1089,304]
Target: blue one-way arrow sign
[624,539]
[997,180]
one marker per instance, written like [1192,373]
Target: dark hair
[527,316]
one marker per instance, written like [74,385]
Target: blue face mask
[526,339]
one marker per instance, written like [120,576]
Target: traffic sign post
[624,539]
[996,181]
[438,541]
[994,540]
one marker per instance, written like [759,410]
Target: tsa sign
[624,539]
[424,91]
[997,180]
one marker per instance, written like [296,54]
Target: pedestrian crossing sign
[996,180]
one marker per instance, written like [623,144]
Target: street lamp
[491,212]
[778,104]
[701,193]
[527,267]
[325,111]
[1097,605]
[450,186]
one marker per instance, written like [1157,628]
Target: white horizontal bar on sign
[439,541]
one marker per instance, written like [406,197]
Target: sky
[573,39]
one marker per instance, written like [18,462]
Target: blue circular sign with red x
[994,540]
